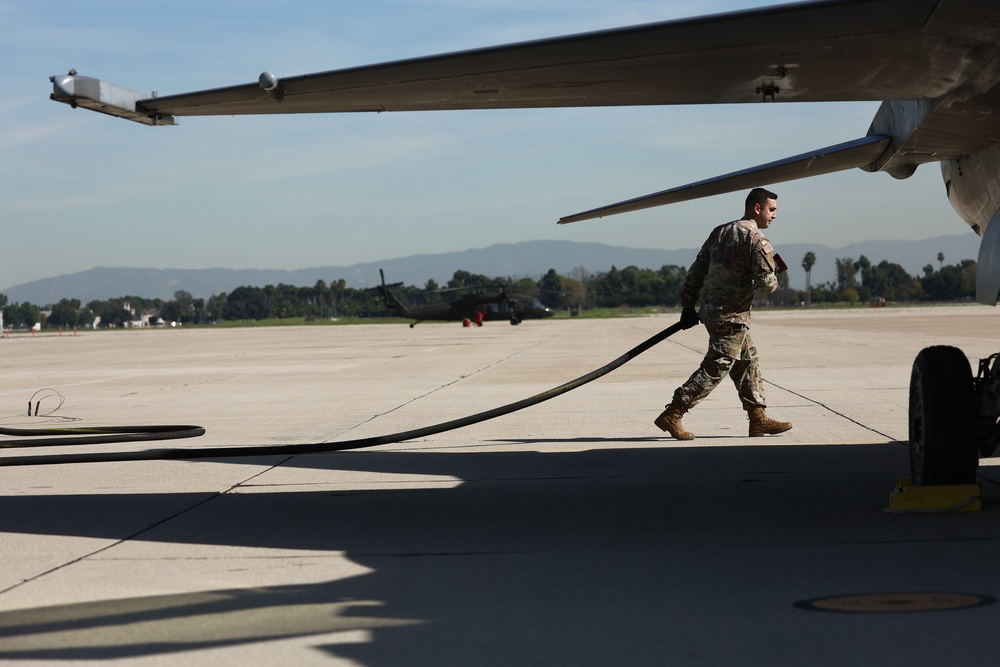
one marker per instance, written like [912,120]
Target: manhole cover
[895,603]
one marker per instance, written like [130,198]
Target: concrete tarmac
[570,533]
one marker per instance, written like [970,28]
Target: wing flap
[848,155]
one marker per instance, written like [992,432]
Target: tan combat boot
[670,420]
[761,424]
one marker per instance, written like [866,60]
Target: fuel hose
[111,434]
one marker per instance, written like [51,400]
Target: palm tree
[808,262]
[940,260]
[320,290]
[337,288]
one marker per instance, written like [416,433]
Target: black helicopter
[471,309]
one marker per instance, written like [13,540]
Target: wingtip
[577,217]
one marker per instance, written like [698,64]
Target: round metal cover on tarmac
[896,603]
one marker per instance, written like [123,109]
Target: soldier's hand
[779,264]
[689,318]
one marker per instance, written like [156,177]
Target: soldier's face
[764,215]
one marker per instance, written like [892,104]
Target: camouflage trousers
[730,352]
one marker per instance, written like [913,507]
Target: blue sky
[80,190]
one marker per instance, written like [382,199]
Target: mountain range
[505,260]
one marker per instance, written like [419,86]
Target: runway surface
[570,533]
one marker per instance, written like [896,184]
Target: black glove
[689,318]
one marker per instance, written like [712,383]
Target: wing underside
[859,153]
[815,51]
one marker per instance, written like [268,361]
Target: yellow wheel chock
[906,498]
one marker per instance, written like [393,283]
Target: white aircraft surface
[934,64]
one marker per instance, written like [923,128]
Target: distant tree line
[857,281]
[862,280]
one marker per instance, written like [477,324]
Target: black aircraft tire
[942,418]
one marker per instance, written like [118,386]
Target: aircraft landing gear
[988,405]
[953,417]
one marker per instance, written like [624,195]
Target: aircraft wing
[858,153]
[831,50]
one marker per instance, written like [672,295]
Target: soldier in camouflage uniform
[735,261]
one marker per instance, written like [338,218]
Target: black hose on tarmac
[101,435]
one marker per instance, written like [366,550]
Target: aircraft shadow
[535,558]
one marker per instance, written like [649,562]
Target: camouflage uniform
[734,261]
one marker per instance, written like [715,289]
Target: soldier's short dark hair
[759,196]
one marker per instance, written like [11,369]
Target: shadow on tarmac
[679,555]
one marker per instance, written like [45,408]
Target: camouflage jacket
[735,260]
